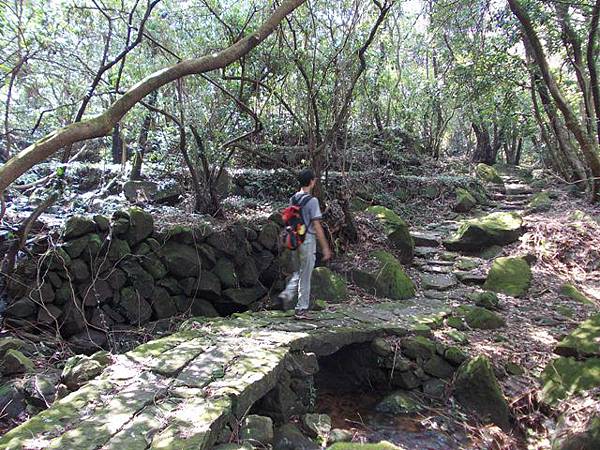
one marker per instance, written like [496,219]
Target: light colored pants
[300,281]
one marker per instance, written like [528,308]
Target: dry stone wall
[121,273]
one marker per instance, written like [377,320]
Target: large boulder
[135,308]
[510,276]
[386,278]
[396,230]
[135,190]
[488,174]
[540,202]
[328,286]
[476,389]
[498,228]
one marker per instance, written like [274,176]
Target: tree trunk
[117,145]
[140,151]
[588,146]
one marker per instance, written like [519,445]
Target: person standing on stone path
[311,215]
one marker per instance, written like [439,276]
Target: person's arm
[322,240]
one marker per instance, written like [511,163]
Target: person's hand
[326,254]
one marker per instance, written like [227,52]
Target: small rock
[398,403]
[88,342]
[484,319]
[317,425]
[455,356]
[434,388]
[488,300]
[440,282]
[257,430]
[80,369]
[77,226]
[339,435]
[14,362]
[289,437]
[510,276]
[382,347]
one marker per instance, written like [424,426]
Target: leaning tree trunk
[103,124]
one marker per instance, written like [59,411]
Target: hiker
[304,241]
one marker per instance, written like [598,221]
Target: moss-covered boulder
[488,174]
[328,286]
[476,389]
[539,202]
[583,341]
[464,200]
[498,228]
[510,276]
[571,292]
[396,230]
[483,318]
[565,376]
[386,278]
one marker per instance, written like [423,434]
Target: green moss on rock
[510,276]
[583,341]
[387,280]
[498,228]
[570,291]
[488,174]
[476,389]
[396,230]
[540,202]
[565,376]
[328,286]
[484,319]
[464,200]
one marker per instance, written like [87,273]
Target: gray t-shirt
[311,211]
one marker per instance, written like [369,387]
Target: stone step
[515,189]
[426,239]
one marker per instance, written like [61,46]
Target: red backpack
[295,228]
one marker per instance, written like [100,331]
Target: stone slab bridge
[179,392]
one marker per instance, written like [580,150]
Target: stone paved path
[178,392]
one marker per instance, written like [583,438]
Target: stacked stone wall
[121,273]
